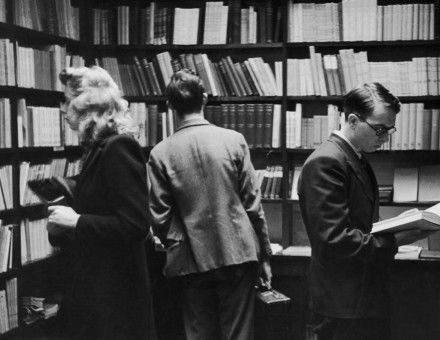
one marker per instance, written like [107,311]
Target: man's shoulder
[328,149]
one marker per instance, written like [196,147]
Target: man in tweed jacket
[206,208]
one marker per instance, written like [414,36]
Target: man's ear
[352,120]
[205,98]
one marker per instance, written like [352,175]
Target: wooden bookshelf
[271,52]
[188,48]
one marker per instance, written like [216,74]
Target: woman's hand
[63,216]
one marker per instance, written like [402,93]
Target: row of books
[252,77]
[417,128]
[29,172]
[7,63]
[8,236]
[3,11]
[153,125]
[34,240]
[336,74]
[56,17]
[9,306]
[40,68]
[310,132]
[157,24]
[5,123]
[123,25]
[363,20]
[259,123]
[6,198]
[42,126]
[417,184]
[270,181]
[259,24]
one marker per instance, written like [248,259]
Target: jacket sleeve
[125,176]
[161,199]
[324,207]
[250,196]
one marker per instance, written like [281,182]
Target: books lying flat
[428,219]
[53,190]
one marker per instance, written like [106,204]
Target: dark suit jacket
[338,198]
[109,293]
[205,201]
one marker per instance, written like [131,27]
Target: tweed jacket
[338,199]
[205,202]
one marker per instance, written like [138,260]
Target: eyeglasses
[380,130]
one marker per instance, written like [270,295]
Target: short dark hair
[363,99]
[185,92]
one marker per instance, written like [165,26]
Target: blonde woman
[109,293]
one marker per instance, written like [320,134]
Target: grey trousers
[219,304]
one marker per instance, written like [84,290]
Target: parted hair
[362,100]
[93,97]
[185,92]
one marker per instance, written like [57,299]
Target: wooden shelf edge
[372,43]
[250,99]
[404,99]
[172,47]
[25,91]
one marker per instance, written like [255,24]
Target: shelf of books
[275,70]
[34,143]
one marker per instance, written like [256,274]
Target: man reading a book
[338,196]
[206,208]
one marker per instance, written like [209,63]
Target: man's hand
[266,274]
[63,216]
[410,236]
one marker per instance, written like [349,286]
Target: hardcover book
[428,219]
[53,190]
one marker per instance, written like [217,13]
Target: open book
[428,219]
[53,190]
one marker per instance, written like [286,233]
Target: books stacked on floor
[35,308]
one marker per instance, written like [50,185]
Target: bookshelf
[37,274]
[281,50]
[105,41]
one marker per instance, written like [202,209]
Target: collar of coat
[192,122]
[355,163]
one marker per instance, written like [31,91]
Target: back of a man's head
[363,99]
[185,92]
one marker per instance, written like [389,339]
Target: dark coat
[338,198]
[109,293]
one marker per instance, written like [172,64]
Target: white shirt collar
[340,134]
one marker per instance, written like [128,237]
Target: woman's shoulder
[120,141]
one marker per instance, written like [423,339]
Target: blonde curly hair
[94,100]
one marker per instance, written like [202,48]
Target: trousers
[219,304]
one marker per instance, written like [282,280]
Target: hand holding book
[422,220]
[54,190]
[62,216]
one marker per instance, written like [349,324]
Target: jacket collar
[356,165]
[192,122]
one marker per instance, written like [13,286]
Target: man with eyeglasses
[338,197]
